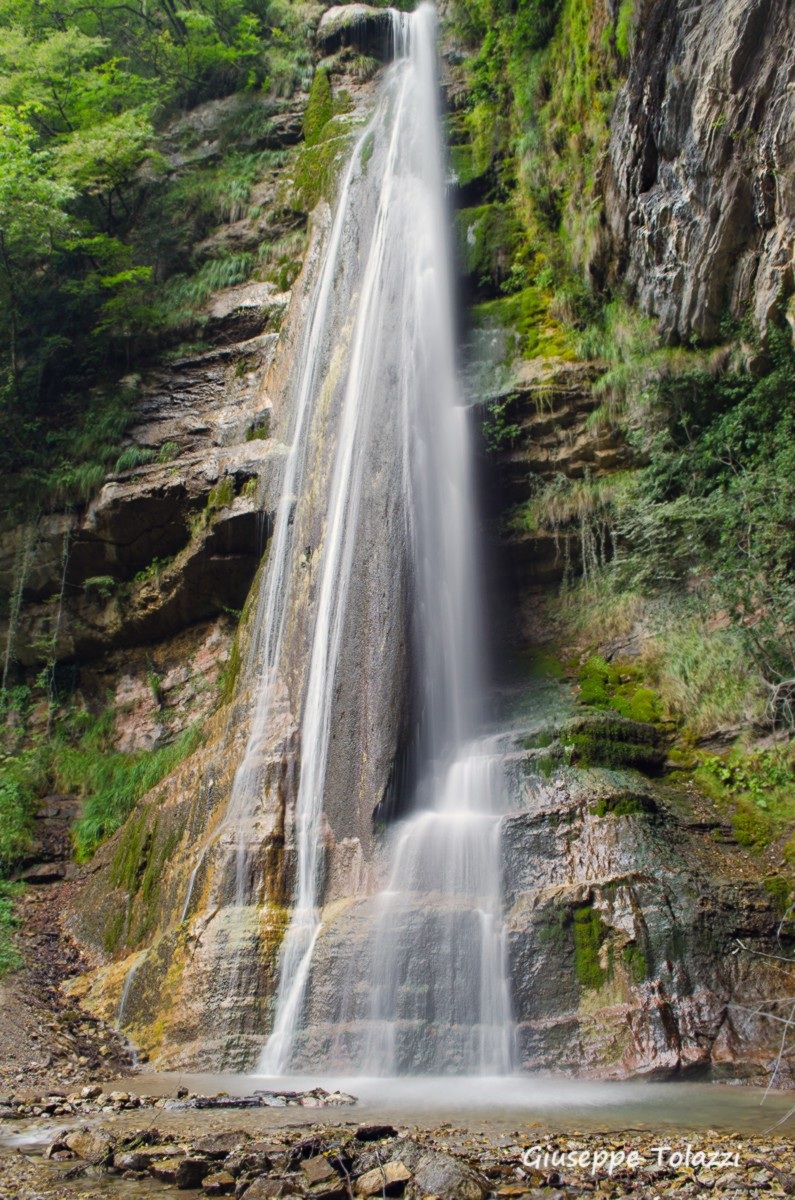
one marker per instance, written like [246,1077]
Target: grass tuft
[111,784]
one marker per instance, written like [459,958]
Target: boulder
[318,1169]
[442,1176]
[132,1160]
[165,1169]
[366,29]
[192,1170]
[220,1145]
[92,1145]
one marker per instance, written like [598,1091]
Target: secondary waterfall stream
[443,897]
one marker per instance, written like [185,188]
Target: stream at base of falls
[517,1104]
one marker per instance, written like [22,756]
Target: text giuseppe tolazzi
[542,1158]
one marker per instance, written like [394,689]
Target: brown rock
[220,1183]
[256,1158]
[92,1145]
[219,1145]
[164,1150]
[58,1150]
[271,1189]
[318,1170]
[165,1169]
[132,1160]
[445,1177]
[389,1180]
[192,1171]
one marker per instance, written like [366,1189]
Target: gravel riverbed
[320,1145]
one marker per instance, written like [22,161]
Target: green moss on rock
[527,314]
[624,805]
[618,686]
[129,861]
[488,239]
[779,888]
[608,740]
[316,171]
[114,930]
[231,672]
[635,962]
[319,108]
[538,741]
[589,934]
[463,165]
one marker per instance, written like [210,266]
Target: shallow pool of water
[505,1103]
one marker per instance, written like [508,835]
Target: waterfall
[426,988]
[439,997]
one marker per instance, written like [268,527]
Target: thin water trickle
[192,884]
[128,984]
[265,655]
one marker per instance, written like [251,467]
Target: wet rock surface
[362,26]
[636,926]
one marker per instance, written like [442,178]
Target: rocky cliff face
[698,183]
[627,905]
[625,897]
[200,878]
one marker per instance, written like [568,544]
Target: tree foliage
[85,89]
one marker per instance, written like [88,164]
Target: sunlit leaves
[33,199]
[103,157]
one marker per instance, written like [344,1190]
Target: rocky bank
[332,1161]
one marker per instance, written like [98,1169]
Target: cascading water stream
[440,999]
[444,896]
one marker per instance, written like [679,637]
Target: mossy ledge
[607,740]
